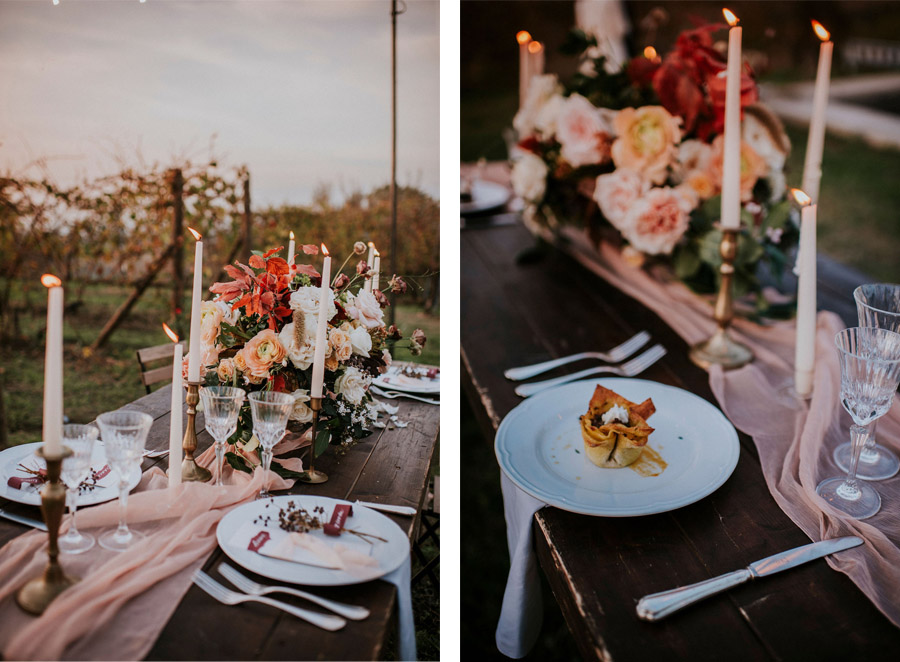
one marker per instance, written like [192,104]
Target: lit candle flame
[535,47]
[801,197]
[49,280]
[196,234]
[523,37]
[377,253]
[325,251]
[730,17]
[650,53]
[172,335]
[820,31]
[292,234]
[371,244]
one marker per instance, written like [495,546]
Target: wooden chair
[162,356]
[431,526]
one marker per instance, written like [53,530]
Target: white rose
[580,128]
[228,315]
[365,309]
[361,341]
[307,300]
[352,385]
[759,137]
[529,177]
[692,155]
[540,91]
[302,411]
[548,116]
[616,194]
[301,355]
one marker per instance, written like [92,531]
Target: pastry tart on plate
[614,429]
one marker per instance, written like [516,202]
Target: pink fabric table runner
[124,600]
[794,439]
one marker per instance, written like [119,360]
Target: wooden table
[391,466]
[517,314]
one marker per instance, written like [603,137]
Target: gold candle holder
[190,470]
[39,592]
[720,348]
[313,475]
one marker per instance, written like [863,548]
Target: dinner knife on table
[21,519]
[659,605]
[388,508]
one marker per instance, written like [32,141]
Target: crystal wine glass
[75,469]
[877,304]
[870,373]
[124,433]
[270,415]
[221,406]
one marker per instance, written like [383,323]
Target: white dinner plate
[11,457]
[485,196]
[392,380]
[540,448]
[390,555]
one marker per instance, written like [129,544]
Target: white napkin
[406,627]
[522,613]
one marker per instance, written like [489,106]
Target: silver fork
[634,367]
[247,585]
[614,355]
[398,394]
[228,597]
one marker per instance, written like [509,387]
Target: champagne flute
[270,415]
[877,304]
[870,373]
[124,433]
[75,469]
[221,406]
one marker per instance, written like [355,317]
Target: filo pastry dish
[614,429]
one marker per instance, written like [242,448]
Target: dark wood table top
[521,313]
[391,466]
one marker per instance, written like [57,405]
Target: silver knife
[27,521]
[397,510]
[659,605]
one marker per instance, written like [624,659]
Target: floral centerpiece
[641,149]
[259,332]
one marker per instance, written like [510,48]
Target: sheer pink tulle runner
[124,600]
[795,440]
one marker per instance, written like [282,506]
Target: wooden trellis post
[176,181]
[248,222]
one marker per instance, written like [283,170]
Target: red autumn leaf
[271,252]
[641,70]
[282,311]
[243,301]
[310,249]
[227,290]
[678,93]
[308,270]
[234,272]
[257,262]
[277,266]
[278,383]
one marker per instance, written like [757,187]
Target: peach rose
[225,370]
[365,309]
[617,192]
[262,352]
[701,183]
[582,132]
[658,220]
[646,143]
[752,166]
[241,364]
[340,343]
[331,363]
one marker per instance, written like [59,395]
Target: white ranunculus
[540,91]
[307,300]
[361,341]
[302,411]
[365,309]
[529,177]
[301,355]
[352,385]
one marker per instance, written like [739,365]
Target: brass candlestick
[720,348]
[190,470]
[39,592]
[313,475]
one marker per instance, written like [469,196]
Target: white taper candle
[176,431]
[291,247]
[731,159]
[194,347]
[53,368]
[815,146]
[318,373]
[805,347]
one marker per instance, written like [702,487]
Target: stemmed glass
[877,304]
[270,415]
[870,373]
[221,406]
[75,469]
[124,433]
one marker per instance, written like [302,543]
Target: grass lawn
[110,378]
